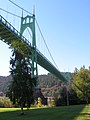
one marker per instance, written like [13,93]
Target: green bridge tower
[29,21]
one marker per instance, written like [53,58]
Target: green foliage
[81,83]
[60,102]
[21,47]
[39,102]
[21,88]
[51,104]
[5,102]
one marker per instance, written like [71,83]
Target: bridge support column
[29,21]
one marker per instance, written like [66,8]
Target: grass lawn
[76,112]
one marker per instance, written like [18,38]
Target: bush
[39,102]
[61,102]
[5,102]
[51,104]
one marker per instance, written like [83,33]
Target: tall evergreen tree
[22,86]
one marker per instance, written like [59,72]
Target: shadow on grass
[58,113]
[84,116]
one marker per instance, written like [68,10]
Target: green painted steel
[29,21]
[9,35]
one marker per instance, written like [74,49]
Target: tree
[81,83]
[21,88]
[39,102]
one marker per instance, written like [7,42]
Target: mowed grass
[76,112]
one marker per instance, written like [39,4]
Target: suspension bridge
[15,39]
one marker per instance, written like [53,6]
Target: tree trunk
[87,100]
[22,112]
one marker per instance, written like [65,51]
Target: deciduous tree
[81,83]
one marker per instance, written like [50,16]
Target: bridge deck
[9,34]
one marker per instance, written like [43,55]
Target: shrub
[39,102]
[51,104]
[5,102]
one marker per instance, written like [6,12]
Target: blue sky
[65,25]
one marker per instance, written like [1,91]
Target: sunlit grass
[84,114]
[8,109]
[77,112]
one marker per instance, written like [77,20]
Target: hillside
[52,86]
[4,82]
[49,84]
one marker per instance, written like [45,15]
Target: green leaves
[21,47]
[81,83]
[21,88]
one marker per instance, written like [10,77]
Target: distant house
[50,99]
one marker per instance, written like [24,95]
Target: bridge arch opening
[28,34]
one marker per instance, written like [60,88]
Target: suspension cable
[10,13]
[20,7]
[29,32]
[45,43]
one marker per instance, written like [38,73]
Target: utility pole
[67,95]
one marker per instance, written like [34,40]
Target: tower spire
[33,9]
[22,13]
